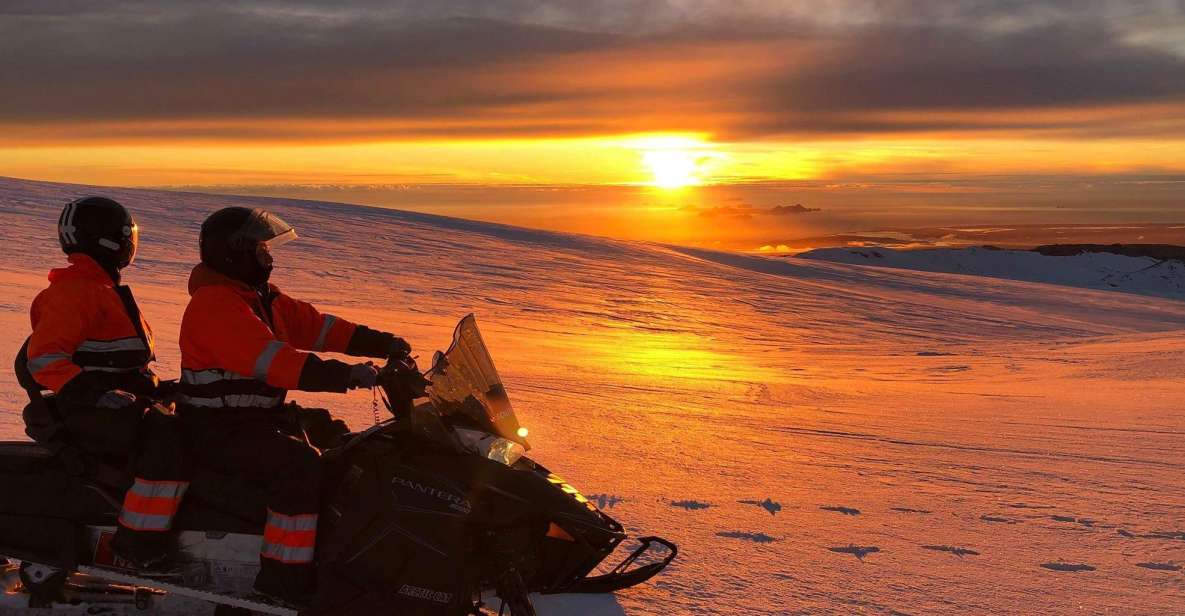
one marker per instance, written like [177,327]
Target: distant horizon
[1168,228]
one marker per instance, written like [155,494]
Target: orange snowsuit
[238,353]
[90,338]
[84,323]
[241,350]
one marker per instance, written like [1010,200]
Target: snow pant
[290,469]
[152,441]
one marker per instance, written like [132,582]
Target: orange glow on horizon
[666,187]
[666,161]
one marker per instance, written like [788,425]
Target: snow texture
[953,412]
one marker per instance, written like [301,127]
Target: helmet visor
[263,227]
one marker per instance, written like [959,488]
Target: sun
[672,168]
[673,162]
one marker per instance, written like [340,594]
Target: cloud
[732,212]
[362,70]
[744,211]
[792,210]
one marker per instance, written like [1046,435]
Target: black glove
[363,375]
[167,390]
[399,349]
[115,399]
[321,428]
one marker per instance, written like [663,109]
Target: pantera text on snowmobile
[425,513]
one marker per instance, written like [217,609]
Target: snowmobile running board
[184,591]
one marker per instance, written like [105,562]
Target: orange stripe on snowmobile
[555,532]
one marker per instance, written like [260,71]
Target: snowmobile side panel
[38,487]
[393,536]
[416,528]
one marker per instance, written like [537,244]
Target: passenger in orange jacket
[91,349]
[244,343]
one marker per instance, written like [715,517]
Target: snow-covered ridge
[1090,270]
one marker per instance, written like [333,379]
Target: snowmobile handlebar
[402,383]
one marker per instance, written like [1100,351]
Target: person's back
[91,349]
[85,340]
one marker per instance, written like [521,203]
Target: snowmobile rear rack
[621,576]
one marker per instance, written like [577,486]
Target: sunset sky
[738,123]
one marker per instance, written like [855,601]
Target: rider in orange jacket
[244,343]
[91,349]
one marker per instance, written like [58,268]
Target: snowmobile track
[185,591]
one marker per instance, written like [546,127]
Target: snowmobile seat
[21,455]
[34,482]
[43,506]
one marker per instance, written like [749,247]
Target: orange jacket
[243,349]
[85,323]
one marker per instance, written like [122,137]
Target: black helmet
[236,241]
[100,228]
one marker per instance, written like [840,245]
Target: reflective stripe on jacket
[84,322]
[243,350]
[290,539]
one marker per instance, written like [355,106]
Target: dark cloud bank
[359,70]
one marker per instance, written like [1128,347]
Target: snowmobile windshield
[263,227]
[466,386]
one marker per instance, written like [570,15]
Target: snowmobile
[432,511]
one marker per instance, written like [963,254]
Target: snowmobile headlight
[505,451]
[490,446]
